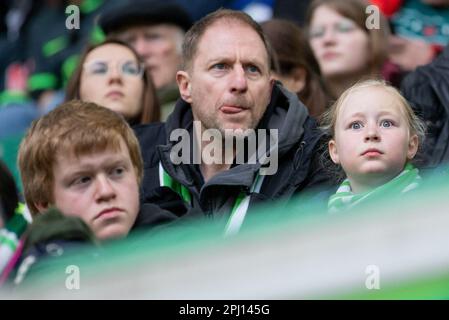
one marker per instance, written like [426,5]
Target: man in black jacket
[427,89]
[228,97]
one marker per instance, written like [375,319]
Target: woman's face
[339,45]
[112,77]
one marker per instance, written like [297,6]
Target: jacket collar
[284,113]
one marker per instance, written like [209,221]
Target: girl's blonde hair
[329,117]
[415,124]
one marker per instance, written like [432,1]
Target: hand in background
[410,53]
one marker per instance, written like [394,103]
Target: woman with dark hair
[298,70]
[111,74]
[346,50]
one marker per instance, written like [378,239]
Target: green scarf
[344,198]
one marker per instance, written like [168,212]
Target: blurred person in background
[12,223]
[155,29]
[54,48]
[298,70]
[427,89]
[111,74]
[420,30]
[345,49]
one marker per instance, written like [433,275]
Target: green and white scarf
[10,240]
[239,209]
[344,198]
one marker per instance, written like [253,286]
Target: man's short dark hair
[193,36]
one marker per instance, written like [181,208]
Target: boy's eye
[355,125]
[386,124]
[81,180]
[117,172]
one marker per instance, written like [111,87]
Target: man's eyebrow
[219,59]
[245,61]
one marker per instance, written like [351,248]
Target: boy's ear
[333,152]
[41,207]
[412,147]
[184,85]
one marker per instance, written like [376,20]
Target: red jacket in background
[388,7]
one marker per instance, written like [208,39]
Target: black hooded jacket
[427,89]
[298,165]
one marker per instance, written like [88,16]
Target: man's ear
[184,85]
[333,152]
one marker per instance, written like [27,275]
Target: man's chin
[237,125]
[236,130]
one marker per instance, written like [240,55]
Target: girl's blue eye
[386,123]
[356,125]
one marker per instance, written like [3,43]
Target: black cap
[144,12]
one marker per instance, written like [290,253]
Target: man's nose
[239,82]
[141,45]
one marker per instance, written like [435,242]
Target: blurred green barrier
[391,249]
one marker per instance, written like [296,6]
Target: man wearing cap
[156,30]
